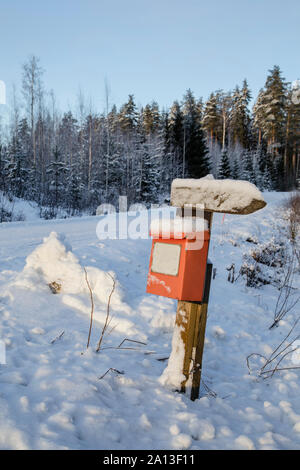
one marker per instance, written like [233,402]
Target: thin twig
[282,368]
[282,305]
[279,354]
[112,329]
[281,359]
[92,308]
[208,390]
[131,341]
[128,349]
[121,372]
[57,337]
[284,339]
[251,355]
[271,359]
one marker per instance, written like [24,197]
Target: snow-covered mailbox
[178,258]
[179,268]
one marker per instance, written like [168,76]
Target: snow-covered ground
[52,393]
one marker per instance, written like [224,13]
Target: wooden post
[191,319]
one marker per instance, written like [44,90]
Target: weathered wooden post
[179,266]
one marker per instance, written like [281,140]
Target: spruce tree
[248,173]
[56,171]
[3,169]
[224,170]
[128,115]
[236,170]
[176,135]
[195,151]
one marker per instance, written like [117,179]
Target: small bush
[263,264]
[271,254]
[293,207]
[48,213]
[19,217]
[5,215]
[254,275]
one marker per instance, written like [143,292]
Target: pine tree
[147,119]
[224,107]
[155,116]
[259,116]
[292,135]
[273,102]
[239,116]
[211,118]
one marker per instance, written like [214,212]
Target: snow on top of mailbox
[228,196]
[177,227]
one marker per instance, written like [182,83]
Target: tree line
[77,161]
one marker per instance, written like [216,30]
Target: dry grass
[107,318]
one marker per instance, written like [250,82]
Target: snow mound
[172,377]
[53,261]
[228,196]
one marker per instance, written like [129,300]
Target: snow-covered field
[52,395]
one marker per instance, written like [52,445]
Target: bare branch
[58,337]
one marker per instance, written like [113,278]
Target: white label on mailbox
[166,257]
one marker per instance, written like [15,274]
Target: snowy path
[51,395]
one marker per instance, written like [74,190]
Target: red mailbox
[178,266]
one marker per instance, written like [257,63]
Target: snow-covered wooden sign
[227,196]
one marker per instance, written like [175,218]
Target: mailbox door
[194,274]
[166,268]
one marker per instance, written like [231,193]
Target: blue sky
[155,49]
